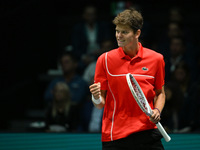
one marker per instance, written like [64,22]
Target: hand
[155,117]
[95,89]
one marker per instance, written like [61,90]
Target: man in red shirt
[124,125]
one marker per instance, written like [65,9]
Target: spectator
[87,35]
[175,14]
[174,100]
[190,111]
[178,114]
[88,75]
[182,101]
[176,26]
[178,52]
[78,87]
[60,116]
[194,104]
[96,114]
[181,76]
[75,82]
[173,30]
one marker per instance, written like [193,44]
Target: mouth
[120,41]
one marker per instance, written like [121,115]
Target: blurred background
[47,43]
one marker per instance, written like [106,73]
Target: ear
[137,34]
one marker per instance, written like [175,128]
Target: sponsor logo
[145,68]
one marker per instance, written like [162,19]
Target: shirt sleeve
[160,73]
[100,72]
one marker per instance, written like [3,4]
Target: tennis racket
[143,103]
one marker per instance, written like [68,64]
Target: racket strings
[139,95]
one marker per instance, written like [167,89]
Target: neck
[131,50]
[69,76]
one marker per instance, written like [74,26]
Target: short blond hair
[130,17]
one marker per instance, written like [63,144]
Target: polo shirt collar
[138,55]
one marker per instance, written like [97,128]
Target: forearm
[101,104]
[159,103]
[103,100]
[159,100]
[98,95]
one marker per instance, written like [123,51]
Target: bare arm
[159,103]
[96,91]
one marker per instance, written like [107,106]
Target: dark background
[34,31]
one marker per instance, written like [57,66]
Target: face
[90,14]
[175,15]
[180,75]
[125,36]
[176,47]
[174,30]
[59,93]
[68,65]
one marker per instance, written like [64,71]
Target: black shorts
[145,140]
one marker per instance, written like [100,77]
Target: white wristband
[96,101]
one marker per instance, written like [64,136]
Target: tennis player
[124,125]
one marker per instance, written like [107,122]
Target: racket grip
[163,132]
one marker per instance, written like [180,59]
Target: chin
[120,45]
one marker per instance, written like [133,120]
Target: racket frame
[148,112]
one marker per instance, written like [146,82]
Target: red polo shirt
[122,115]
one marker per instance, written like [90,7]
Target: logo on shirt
[145,68]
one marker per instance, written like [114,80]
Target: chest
[119,67]
[144,71]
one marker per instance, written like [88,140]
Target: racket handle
[163,132]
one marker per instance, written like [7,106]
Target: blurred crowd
[67,100]
[90,37]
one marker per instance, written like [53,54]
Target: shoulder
[110,53]
[152,53]
[79,80]
[113,51]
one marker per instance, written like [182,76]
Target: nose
[119,34]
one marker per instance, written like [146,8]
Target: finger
[93,86]
[155,118]
[152,120]
[95,90]
[153,115]
[96,94]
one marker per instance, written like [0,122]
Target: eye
[124,32]
[117,31]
